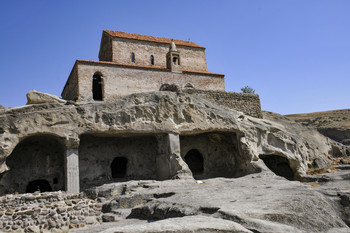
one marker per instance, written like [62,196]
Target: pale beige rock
[36,97]
[160,112]
[185,224]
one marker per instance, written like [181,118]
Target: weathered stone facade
[131,63]
[121,80]
[159,135]
[118,46]
[121,147]
[247,103]
[43,212]
[143,140]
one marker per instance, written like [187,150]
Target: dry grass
[312,184]
[331,168]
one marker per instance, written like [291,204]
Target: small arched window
[152,60]
[97,87]
[133,57]
[119,167]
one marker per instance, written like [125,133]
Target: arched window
[118,167]
[152,60]
[175,60]
[133,57]
[97,87]
[194,160]
[38,185]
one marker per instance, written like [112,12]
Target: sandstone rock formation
[1,107]
[254,203]
[160,112]
[236,145]
[333,124]
[36,97]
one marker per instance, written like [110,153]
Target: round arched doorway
[195,161]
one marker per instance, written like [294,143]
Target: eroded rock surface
[255,200]
[163,112]
[260,202]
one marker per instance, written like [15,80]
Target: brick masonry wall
[70,90]
[247,103]
[121,81]
[48,212]
[191,58]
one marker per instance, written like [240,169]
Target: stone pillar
[72,170]
[169,162]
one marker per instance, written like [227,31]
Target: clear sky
[294,53]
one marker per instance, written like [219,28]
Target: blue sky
[294,53]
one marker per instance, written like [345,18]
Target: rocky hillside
[333,124]
[262,192]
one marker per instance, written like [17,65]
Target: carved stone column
[72,167]
[169,162]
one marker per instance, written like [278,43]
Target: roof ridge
[162,40]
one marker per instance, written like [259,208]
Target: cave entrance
[194,160]
[116,158]
[118,167]
[35,158]
[38,185]
[279,165]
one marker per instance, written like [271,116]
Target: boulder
[260,202]
[36,97]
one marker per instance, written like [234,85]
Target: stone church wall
[191,58]
[119,81]
[71,89]
[247,103]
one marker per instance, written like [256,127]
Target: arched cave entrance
[279,165]
[38,185]
[118,167]
[195,162]
[210,155]
[105,159]
[37,161]
[97,87]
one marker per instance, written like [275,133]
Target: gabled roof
[150,38]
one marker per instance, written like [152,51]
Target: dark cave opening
[194,160]
[38,185]
[278,165]
[118,167]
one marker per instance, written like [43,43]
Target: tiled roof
[150,38]
[146,67]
